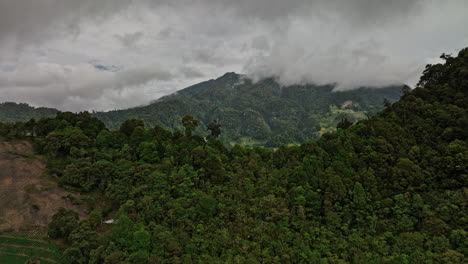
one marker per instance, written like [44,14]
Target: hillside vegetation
[263,113]
[388,189]
[20,112]
[259,113]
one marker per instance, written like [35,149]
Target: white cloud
[157,47]
[77,87]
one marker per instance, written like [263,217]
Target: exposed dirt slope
[28,199]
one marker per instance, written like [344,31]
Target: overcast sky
[112,54]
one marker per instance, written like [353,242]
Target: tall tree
[189,124]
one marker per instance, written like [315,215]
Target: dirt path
[28,200]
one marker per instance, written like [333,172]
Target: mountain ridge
[251,113]
[18,112]
[264,112]
[388,189]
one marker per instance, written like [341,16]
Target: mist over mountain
[112,54]
[259,113]
[250,112]
[233,131]
[388,189]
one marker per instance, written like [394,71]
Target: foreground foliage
[389,189]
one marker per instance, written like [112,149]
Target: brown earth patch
[28,199]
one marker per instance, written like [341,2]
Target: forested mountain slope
[262,113]
[389,189]
[20,112]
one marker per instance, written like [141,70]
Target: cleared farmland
[18,250]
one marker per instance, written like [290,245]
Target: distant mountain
[259,113]
[18,112]
[389,189]
[250,113]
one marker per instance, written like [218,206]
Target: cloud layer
[108,54]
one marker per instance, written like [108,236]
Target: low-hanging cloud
[362,43]
[76,87]
[155,47]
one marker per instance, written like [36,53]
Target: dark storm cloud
[142,75]
[358,12]
[130,40]
[59,85]
[159,46]
[191,72]
[260,43]
[31,20]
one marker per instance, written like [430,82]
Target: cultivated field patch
[19,250]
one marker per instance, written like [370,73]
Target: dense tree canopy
[262,113]
[18,112]
[388,189]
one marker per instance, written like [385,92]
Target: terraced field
[18,250]
[28,200]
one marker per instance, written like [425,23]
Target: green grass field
[18,250]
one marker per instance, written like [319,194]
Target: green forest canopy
[20,112]
[388,189]
[260,113]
